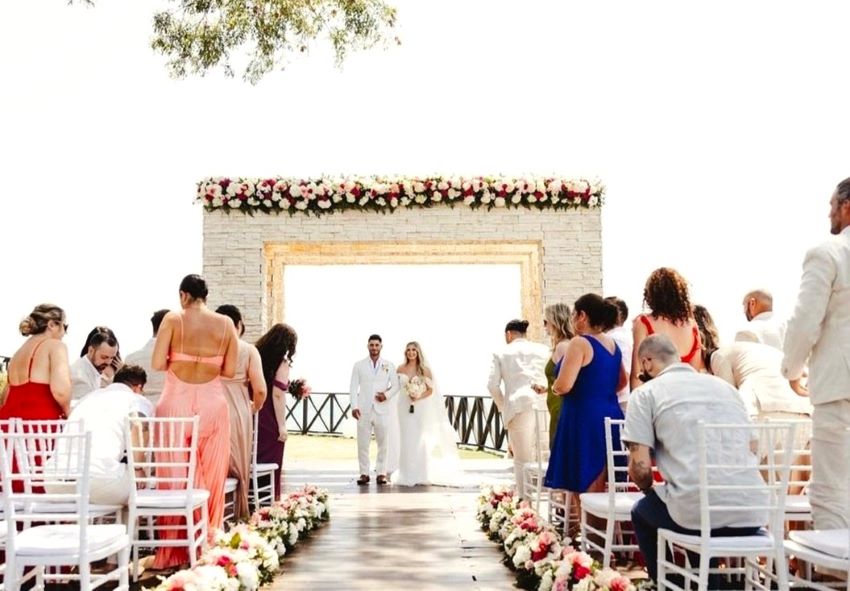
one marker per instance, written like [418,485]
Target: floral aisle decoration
[534,549]
[248,555]
[386,194]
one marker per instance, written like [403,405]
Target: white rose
[454,193]
[234,203]
[523,554]
[405,200]
[363,200]
[252,201]
[486,197]
[283,203]
[516,198]
[349,197]
[469,199]
[420,198]
[593,201]
[295,190]
[546,581]
[216,202]
[302,205]
[437,196]
[293,536]
[418,187]
[381,201]
[442,185]
[324,203]
[248,576]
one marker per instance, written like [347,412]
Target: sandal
[382,479]
[364,479]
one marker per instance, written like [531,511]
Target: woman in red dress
[39,380]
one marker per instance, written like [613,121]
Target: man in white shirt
[663,416]
[819,331]
[97,363]
[622,335]
[373,383]
[521,365]
[142,358]
[762,325]
[103,412]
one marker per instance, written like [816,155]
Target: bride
[427,451]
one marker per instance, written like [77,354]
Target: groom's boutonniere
[385,368]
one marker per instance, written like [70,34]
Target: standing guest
[622,335]
[104,413]
[521,365]
[819,330]
[39,380]
[591,373]
[556,323]
[762,325]
[662,419]
[666,295]
[97,364]
[142,358]
[373,384]
[276,348]
[249,372]
[197,347]
[709,336]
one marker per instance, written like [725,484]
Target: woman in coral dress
[243,405]
[198,347]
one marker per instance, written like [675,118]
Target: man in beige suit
[762,325]
[521,366]
[819,330]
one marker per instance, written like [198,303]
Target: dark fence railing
[476,419]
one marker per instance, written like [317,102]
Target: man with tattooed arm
[662,418]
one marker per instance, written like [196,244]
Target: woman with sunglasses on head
[39,381]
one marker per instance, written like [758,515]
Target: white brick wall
[234,261]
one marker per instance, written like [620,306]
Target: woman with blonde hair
[38,376]
[556,323]
[427,452]
[667,297]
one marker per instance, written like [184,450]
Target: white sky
[720,130]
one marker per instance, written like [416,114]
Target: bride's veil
[444,466]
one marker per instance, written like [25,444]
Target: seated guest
[97,363]
[662,418]
[142,358]
[103,412]
[762,326]
[709,336]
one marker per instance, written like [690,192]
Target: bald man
[762,326]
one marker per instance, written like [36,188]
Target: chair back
[254,439]
[58,477]
[737,487]
[800,474]
[163,454]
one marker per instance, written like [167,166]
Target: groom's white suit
[367,379]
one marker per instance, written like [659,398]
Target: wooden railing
[475,418]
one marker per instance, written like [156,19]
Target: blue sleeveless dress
[578,451]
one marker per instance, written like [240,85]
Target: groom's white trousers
[368,422]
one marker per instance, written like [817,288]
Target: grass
[325,447]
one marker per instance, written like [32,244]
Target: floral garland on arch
[248,555]
[535,550]
[387,194]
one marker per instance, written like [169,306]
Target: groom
[373,382]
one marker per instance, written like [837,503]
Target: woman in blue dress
[589,376]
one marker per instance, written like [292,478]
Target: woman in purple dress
[277,348]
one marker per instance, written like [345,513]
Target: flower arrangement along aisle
[248,555]
[534,549]
[386,194]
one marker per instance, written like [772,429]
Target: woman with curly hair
[708,334]
[669,303]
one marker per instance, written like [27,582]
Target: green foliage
[198,36]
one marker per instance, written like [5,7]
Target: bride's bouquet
[299,388]
[415,388]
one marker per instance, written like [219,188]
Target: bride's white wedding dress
[427,443]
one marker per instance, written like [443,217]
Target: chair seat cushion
[230,485]
[833,542]
[797,504]
[169,499]
[258,468]
[597,503]
[757,542]
[65,538]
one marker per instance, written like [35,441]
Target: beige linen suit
[819,330]
[520,365]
